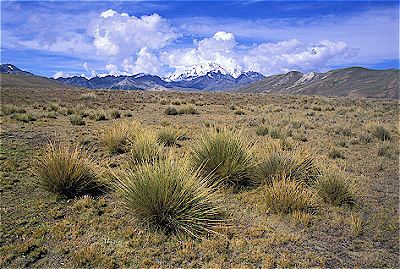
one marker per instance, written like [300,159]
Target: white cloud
[60,74]
[146,62]
[219,48]
[69,43]
[272,58]
[375,31]
[89,69]
[266,58]
[120,35]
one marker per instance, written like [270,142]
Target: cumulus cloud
[272,58]
[266,58]
[120,35]
[218,48]
[146,62]
[60,74]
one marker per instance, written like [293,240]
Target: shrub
[168,136]
[76,120]
[115,114]
[239,112]
[169,197]
[286,196]
[66,171]
[335,189]
[163,102]
[170,111]
[299,166]
[145,149]
[117,136]
[380,132]
[225,157]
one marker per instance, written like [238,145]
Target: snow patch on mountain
[203,68]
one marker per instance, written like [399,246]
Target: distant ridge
[204,76]
[12,76]
[347,82]
[12,69]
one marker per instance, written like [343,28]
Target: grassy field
[352,139]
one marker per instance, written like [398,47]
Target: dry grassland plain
[357,139]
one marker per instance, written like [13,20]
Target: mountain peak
[203,68]
[12,69]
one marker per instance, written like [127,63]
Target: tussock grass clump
[9,110]
[76,120]
[176,102]
[115,114]
[380,132]
[299,166]
[23,117]
[163,102]
[262,130]
[336,154]
[145,149]
[66,171]
[168,136]
[89,96]
[189,110]
[171,111]
[226,157]
[169,197]
[286,196]
[115,139]
[274,132]
[335,189]
[98,116]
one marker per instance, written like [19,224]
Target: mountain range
[208,76]
[204,76]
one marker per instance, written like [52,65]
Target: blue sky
[66,38]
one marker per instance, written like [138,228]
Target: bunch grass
[226,158]
[66,171]
[117,137]
[169,197]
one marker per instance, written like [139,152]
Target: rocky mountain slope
[351,82]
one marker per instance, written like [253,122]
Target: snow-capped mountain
[203,68]
[204,76]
